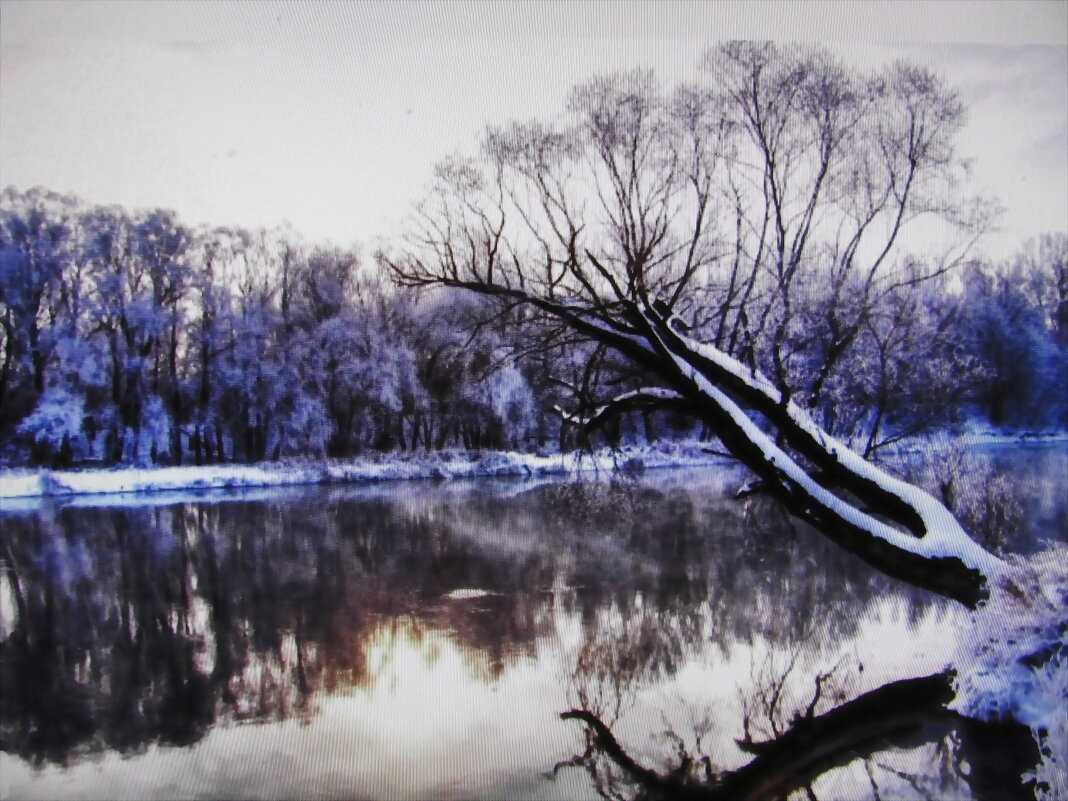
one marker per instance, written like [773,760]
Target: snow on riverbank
[27,484]
[392,467]
[1012,661]
[973,435]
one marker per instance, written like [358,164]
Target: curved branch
[674,786]
[647,399]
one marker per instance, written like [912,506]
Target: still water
[420,640]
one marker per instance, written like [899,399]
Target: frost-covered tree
[36,241]
[908,371]
[1042,264]
[476,386]
[138,276]
[56,427]
[1016,342]
[163,245]
[209,311]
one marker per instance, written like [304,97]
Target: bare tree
[676,231]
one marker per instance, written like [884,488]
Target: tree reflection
[980,760]
[134,626]
[796,726]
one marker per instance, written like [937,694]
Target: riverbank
[447,464]
[450,464]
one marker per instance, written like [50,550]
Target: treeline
[132,338]
[129,337]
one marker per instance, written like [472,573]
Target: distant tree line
[131,338]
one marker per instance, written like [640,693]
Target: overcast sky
[331,116]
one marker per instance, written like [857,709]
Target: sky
[331,116]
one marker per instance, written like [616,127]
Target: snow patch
[1014,664]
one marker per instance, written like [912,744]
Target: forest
[128,337]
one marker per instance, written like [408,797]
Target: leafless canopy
[684,230]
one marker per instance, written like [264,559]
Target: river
[420,639]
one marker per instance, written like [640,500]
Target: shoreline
[19,484]
[441,465]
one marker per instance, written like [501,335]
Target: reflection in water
[907,714]
[423,639]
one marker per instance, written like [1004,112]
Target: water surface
[419,640]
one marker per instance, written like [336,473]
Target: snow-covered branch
[646,399]
[889,522]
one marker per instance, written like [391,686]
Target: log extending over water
[892,525]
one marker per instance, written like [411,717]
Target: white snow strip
[751,378]
[15,485]
[21,485]
[468,594]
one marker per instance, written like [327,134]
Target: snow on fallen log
[943,538]
[942,534]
